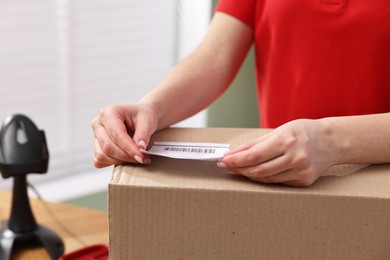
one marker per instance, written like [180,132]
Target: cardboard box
[177,209]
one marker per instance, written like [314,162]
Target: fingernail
[138,159]
[222,165]
[147,161]
[142,144]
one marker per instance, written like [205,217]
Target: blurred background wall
[238,106]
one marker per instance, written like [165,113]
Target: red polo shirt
[318,58]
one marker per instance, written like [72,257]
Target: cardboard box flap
[372,181]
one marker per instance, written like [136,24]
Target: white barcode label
[191,151]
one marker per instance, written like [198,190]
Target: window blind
[29,66]
[61,61]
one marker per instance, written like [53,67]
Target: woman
[323,79]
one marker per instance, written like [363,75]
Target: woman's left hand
[296,153]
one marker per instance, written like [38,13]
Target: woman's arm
[359,139]
[121,130]
[204,75]
[299,152]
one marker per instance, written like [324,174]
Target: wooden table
[78,227]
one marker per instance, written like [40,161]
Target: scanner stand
[23,227]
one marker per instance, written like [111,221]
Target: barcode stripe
[163,144]
[189,150]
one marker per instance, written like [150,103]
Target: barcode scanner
[23,150]
[23,147]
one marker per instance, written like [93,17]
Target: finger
[143,132]
[266,169]
[101,159]
[242,147]
[293,183]
[304,182]
[109,148]
[258,154]
[291,178]
[116,129]
[288,175]
[247,145]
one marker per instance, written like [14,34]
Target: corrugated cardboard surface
[177,209]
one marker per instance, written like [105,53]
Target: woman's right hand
[120,131]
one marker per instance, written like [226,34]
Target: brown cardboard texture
[179,209]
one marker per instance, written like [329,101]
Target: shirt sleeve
[243,10]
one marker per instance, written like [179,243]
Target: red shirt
[318,58]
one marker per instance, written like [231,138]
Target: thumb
[142,135]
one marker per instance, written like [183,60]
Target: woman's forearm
[360,139]
[188,88]
[199,79]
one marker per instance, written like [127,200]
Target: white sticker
[190,151]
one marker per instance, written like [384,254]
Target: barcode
[189,150]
